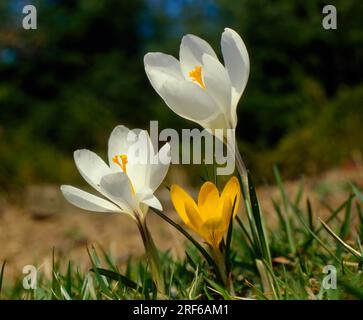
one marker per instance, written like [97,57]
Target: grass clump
[302,257]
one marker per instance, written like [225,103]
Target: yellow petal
[214,229]
[180,197]
[226,214]
[210,219]
[209,201]
[195,222]
[231,192]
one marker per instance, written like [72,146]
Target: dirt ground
[44,220]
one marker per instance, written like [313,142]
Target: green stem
[221,264]
[241,168]
[152,254]
[259,238]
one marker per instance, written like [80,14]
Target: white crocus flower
[199,87]
[128,182]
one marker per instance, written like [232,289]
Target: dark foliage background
[67,84]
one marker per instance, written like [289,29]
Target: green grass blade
[360,217]
[245,233]
[218,289]
[69,278]
[345,245]
[190,260]
[209,296]
[286,217]
[95,262]
[315,236]
[359,245]
[334,213]
[299,193]
[266,279]
[345,228]
[55,284]
[256,245]
[352,289]
[259,220]
[285,226]
[357,193]
[346,223]
[310,214]
[65,294]
[229,238]
[2,276]
[281,187]
[118,277]
[108,260]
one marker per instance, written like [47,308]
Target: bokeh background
[65,86]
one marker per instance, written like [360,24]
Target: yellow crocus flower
[210,217]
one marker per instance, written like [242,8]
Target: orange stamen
[122,165]
[123,162]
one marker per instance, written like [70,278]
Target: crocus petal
[117,187]
[160,167]
[218,84]
[136,145]
[208,201]
[119,142]
[180,197]
[144,193]
[153,202]
[210,219]
[236,61]
[87,201]
[91,167]
[231,193]
[191,102]
[195,221]
[192,49]
[161,67]
[147,199]
[214,230]
[140,156]
[226,216]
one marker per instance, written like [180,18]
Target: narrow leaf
[2,276]
[345,245]
[117,277]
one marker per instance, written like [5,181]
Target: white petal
[160,167]
[153,202]
[118,144]
[237,62]
[140,156]
[191,52]
[121,139]
[190,101]
[147,197]
[218,84]
[161,67]
[87,201]
[91,167]
[117,187]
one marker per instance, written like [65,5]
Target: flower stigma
[196,76]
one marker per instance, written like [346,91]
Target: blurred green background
[66,85]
